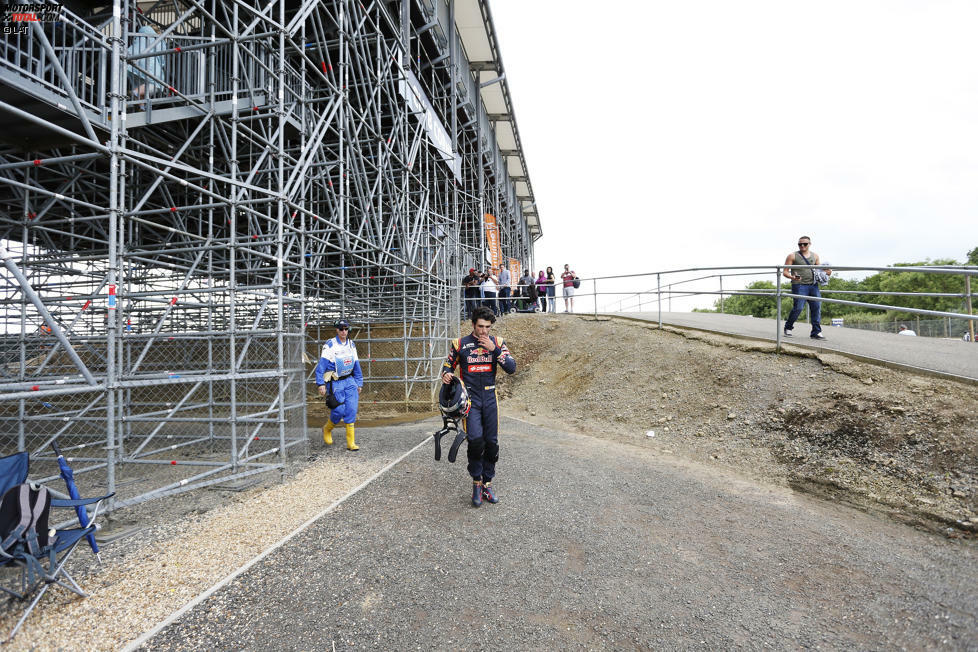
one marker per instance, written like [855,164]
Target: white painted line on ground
[230,578]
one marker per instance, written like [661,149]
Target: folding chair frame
[48,566]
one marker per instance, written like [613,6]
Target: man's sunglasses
[804,244]
[342,328]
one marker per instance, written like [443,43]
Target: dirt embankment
[879,439]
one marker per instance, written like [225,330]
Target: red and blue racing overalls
[477,370]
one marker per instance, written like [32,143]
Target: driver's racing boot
[488,493]
[476,493]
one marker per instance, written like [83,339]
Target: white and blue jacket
[341,359]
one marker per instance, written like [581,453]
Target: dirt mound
[877,438]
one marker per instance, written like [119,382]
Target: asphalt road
[950,357]
[594,544]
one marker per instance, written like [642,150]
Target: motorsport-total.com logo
[16,18]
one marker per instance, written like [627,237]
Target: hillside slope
[880,439]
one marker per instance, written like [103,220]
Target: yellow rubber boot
[350,444]
[328,432]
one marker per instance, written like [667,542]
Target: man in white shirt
[489,285]
[906,331]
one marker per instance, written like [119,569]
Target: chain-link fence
[948,327]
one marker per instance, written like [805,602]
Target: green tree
[746,304]
[830,310]
[924,283]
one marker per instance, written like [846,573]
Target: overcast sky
[662,134]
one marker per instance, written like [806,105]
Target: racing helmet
[453,400]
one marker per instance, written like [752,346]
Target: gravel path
[593,544]
[182,551]
[951,357]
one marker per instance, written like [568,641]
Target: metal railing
[69,59]
[619,294]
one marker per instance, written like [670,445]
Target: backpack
[24,512]
[576,283]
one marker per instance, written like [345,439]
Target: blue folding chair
[37,554]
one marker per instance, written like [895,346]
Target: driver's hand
[447,377]
[487,343]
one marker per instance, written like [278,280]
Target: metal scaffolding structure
[191,191]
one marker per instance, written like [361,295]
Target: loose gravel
[182,553]
[594,544]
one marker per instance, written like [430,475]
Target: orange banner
[514,271]
[492,241]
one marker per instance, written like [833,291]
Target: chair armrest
[59,502]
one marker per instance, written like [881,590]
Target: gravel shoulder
[853,432]
[192,541]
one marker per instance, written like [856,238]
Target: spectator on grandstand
[146,82]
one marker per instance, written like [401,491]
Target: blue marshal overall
[339,361]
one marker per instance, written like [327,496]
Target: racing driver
[476,357]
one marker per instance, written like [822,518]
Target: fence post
[721,294]
[595,284]
[777,295]
[658,290]
[971,322]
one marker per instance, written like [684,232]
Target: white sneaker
[787,332]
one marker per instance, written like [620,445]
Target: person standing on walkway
[552,289]
[505,280]
[906,331]
[339,362]
[476,356]
[489,290]
[541,284]
[527,290]
[568,276]
[803,282]
[470,284]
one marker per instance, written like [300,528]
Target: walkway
[593,545]
[947,357]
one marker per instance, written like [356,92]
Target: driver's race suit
[477,370]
